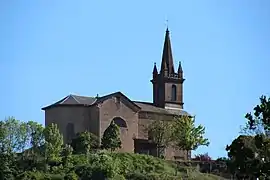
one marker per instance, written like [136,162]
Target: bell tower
[167,83]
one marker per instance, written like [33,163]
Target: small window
[174,92]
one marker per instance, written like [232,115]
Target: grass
[163,169]
[123,166]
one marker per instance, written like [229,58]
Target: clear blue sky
[49,49]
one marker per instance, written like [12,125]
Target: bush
[150,176]
[117,166]
[136,176]
[142,164]
[105,164]
[30,176]
[101,166]
[118,177]
[56,177]
[71,176]
[78,160]
[84,172]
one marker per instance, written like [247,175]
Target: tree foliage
[35,131]
[67,155]
[250,155]
[99,164]
[10,135]
[180,132]
[159,132]
[242,153]
[111,137]
[15,141]
[259,121]
[186,135]
[83,142]
[53,142]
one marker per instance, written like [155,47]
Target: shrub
[150,176]
[78,160]
[71,176]
[111,137]
[136,176]
[101,166]
[30,176]
[142,164]
[118,177]
[56,177]
[84,172]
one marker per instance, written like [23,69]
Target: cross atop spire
[167,58]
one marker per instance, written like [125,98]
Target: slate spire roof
[180,69]
[167,57]
[155,71]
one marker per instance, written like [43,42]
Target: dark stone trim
[64,105]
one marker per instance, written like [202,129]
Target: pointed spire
[180,68]
[155,71]
[167,58]
[180,71]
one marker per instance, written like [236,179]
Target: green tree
[36,132]
[160,133]
[10,144]
[23,136]
[15,135]
[252,156]
[6,173]
[242,153]
[53,143]
[3,135]
[35,141]
[67,155]
[186,135]
[82,143]
[259,121]
[11,128]
[111,137]
[7,168]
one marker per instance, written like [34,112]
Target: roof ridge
[146,102]
[64,99]
[82,96]
[75,99]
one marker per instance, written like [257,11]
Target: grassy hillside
[119,166]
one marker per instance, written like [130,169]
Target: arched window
[70,131]
[173,92]
[120,122]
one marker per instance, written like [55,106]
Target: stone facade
[74,114]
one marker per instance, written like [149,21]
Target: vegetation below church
[115,166]
[29,151]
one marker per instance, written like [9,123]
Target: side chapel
[76,113]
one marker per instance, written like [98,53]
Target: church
[75,113]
